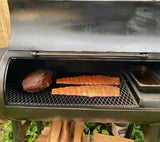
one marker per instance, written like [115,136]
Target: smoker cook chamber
[74,38]
[64,68]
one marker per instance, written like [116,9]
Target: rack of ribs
[88,91]
[90,80]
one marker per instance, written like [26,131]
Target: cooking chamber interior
[18,69]
[23,67]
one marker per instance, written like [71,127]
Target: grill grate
[16,96]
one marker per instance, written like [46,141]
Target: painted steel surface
[85,26]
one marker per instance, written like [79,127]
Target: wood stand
[63,131]
[72,131]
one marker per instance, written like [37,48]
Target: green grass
[137,134]
[6,132]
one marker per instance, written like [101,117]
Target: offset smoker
[74,38]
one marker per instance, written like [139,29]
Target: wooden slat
[46,130]
[105,138]
[88,138]
[79,126]
[55,131]
[64,137]
[24,128]
[71,129]
[42,138]
[84,138]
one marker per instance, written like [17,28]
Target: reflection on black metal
[85,26]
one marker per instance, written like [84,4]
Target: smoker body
[73,37]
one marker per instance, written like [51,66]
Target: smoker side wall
[3,52]
[4,57]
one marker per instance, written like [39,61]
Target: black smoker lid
[42,25]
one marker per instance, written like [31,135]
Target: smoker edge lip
[108,115]
[88,108]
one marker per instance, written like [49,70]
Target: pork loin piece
[38,80]
[88,91]
[90,80]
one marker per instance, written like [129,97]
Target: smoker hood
[85,26]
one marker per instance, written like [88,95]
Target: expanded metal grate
[16,96]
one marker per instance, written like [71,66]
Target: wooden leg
[151,132]
[19,130]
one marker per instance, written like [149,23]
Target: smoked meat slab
[90,80]
[88,91]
